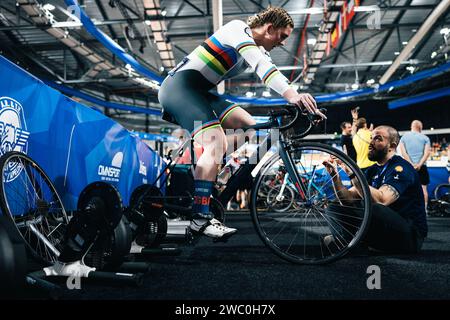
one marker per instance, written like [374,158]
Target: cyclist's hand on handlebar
[307,101]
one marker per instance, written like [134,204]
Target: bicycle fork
[291,170]
[280,196]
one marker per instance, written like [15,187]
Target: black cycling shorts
[185,96]
[424,177]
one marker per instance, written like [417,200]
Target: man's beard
[378,155]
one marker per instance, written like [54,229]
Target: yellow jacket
[361,141]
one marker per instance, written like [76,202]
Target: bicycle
[297,235]
[440,205]
[283,195]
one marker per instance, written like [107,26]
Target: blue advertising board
[74,144]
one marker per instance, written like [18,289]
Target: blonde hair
[361,123]
[275,15]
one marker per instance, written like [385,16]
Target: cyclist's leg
[188,104]
[213,140]
[191,108]
[232,116]
[237,120]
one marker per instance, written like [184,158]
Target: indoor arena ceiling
[38,35]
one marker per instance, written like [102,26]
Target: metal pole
[424,29]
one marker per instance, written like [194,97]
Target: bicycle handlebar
[289,110]
[313,119]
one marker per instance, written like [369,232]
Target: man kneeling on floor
[398,223]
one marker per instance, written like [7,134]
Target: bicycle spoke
[332,226]
[298,234]
[30,200]
[319,238]
[345,215]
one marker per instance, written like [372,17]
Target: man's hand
[332,164]
[417,166]
[354,114]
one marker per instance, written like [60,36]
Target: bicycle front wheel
[322,225]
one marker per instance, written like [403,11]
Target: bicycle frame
[244,172]
[311,184]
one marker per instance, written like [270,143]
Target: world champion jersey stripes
[221,56]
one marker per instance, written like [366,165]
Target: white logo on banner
[111,173]
[13,133]
[143,171]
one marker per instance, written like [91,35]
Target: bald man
[415,148]
[398,223]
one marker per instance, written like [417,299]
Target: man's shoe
[211,228]
[360,250]
[329,242]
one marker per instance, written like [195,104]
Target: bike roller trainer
[96,239]
[148,222]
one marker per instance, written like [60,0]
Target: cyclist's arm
[239,36]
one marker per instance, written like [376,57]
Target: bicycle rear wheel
[321,227]
[29,198]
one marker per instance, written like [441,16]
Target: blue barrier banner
[75,145]
[438,175]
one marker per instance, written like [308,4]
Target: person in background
[398,223]
[346,140]
[415,148]
[361,140]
